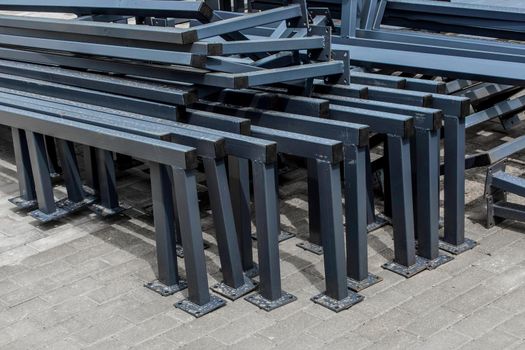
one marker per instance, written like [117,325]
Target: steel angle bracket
[338,305]
[407,271]
[234,293]
[200,310]
[358,286]
[64,208]
[324,54]
[165,290]
[344,78]
[322,11]
[304,20]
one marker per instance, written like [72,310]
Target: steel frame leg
[239,181]
[90,168]
[314,243]
[76,196]
[356,201]
[168,281]
[47,209]
[270,295]
[374,221]
[426,199]
[52,157]
[405,263]
[107,185]
[235,284]
[199,301]
[336,297]
[27,199]
[454,240]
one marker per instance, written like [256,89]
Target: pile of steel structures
[188,86]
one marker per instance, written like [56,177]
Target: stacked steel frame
[233,90]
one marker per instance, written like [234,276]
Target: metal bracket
[64,207]
[457,249]
[201,310]
[311,247]
[24,204]
[269,305]
[437,262]
[344,78]
[283,236]
[234,293]
[338,305]
[358,286]
[407,271]
[324,54]
[165,290]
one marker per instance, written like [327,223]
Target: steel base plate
[253,272]
[165,290]
[283,236]
[64,207]
[380,221]
[107,212]
[437,262]
[338,305]
[407,271]
[200,310]
[179,250]
[357,286]
[24,204]
[457,249]
[269,305]
[234,293]
[311,247]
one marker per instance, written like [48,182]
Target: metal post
[168,282]
[426,201]
[43,187]
[336,297]
[107,181]
[235,284]
[314,243]
[199,301]
[52,157]
[239,176]
[72,180]
[454,240]
[405,263]
[270,294]
[90,168]
[26,184]
[356,202]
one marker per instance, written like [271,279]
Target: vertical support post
[454,236]
[107,184]
[356,202]
[348,18]
[314,243]
[73,183]
[373,221]
[239,173]
[52,157]
[168,281]
[26,184]
[41,174]
[426,204]
[235,284]
[336,297]
[90,167]
[405,263]
[270,294]
[199,301]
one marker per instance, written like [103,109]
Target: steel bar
[26,184]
